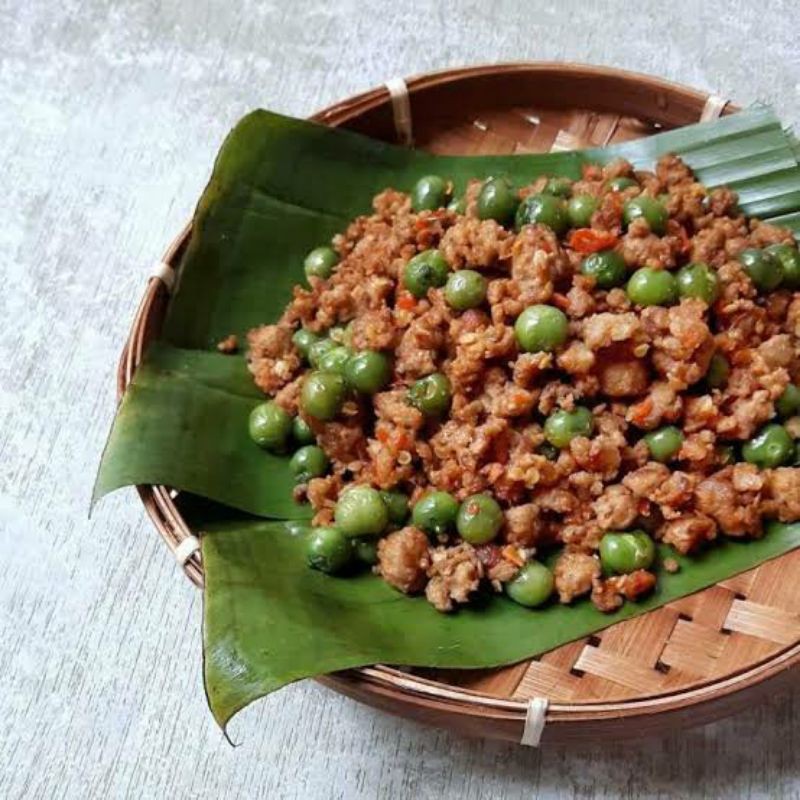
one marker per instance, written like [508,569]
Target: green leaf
[269,619]
[282,186]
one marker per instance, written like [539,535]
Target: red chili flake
[588,240]
[406,301]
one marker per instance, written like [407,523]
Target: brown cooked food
[614,367]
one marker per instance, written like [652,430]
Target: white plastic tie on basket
[535,719]
[165,274]
[186,549]
[713,107]
[401,110]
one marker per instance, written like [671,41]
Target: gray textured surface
[110,115]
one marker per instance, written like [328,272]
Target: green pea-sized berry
[541,328]
[700,281]
[607,267]
[580,209]
[559,187]
[303,340]
[322,395]
[789,258]
[320,262]
[431,395]
[769,448]
[562,426]
[360,511]
[543,209]
[497,200]
[532,586]
[318,349]
[652,287]
[270,426]
[366,551]
[788,404]
[301,431]
[763,268]
[427,270]
[435,513]
[624,552]
[307,463]
[397,506]
[621,183]
[368,371]
[334,360]
[718,370]
[479,519]
[664,443]
[653,212]
[328,550]
[465,289]
[429,193]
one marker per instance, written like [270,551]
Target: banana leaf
[281,186]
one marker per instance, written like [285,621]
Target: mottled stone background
[110,116]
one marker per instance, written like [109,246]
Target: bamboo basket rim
[409,688]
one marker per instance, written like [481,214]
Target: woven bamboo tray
[692,661]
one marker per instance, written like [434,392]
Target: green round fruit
[789,259]
[769,448]
[431,395]
[788,404]
[479,519]
[303,340]
[328,550]
[559,187]
[397,506]
[561,427]
[541,328]
[531,586]
[625,552]
[429,193]
[427,270]
[368,371]
[334,360]
[718,370]
[763,268]
[360,511]
[664,443]
[323,395]
[543,209]
[270,426]
[301,431]
[320,262]
[366,551]
[435,513]
[465,289]
[307,463]
[497,200]
[700,281]
[580,210]
[652,287]
[607,267]
[620,184]
[652,211]
[318,349]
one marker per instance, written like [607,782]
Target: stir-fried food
[525,389]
